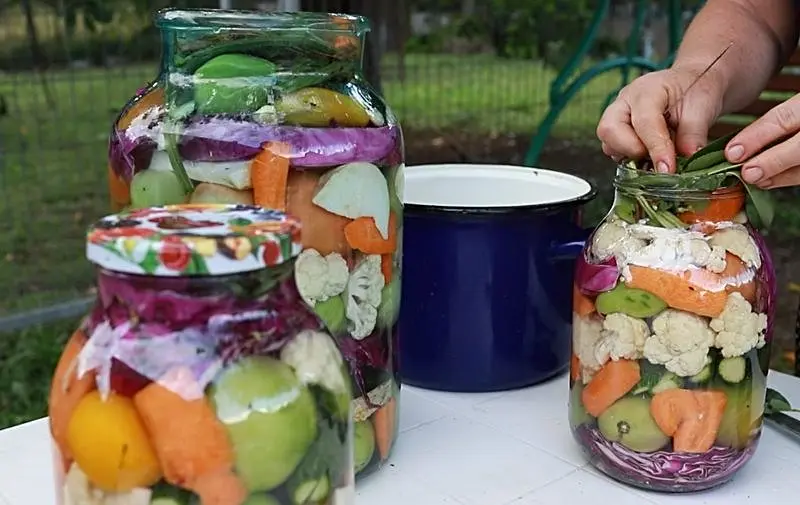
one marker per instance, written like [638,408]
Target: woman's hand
[779,165]
[635,126]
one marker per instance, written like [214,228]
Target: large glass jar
[272,109]
[673,309]
[200,377]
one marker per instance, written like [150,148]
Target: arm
[764,35]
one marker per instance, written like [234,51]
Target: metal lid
[193,240]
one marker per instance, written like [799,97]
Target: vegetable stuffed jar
[271,109]
[200,377]
[672,317]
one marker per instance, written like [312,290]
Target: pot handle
[572,244]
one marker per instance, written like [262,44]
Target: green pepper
[232,83]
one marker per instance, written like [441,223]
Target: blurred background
[470,80]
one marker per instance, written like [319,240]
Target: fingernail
[663,167]
[735,152]
[752,174]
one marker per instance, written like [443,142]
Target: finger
[780,122]
[650,125]
[617,134]
[772,162]
[692,132]
[790,177]
[611,153]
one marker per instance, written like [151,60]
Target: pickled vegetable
[673,307]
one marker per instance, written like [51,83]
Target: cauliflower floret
[738,328]
[316,360]
[585,336]
[79,491]
[736,240]
[622,337]
[612,238]
[363,295]
[319,278]
[680,342]
[713,258]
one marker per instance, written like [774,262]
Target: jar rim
[238,19]
[626,176]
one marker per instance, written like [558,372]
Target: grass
[53,175]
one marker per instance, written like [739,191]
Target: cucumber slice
[733,369]
[312,491]
[668,381]
[703,376]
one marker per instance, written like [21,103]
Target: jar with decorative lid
[200,377]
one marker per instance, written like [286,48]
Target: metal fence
[65,72]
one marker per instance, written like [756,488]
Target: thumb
[693,126]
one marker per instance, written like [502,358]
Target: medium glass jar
[672,317]
[200,377]
[272,109]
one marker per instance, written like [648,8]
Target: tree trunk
[36,50]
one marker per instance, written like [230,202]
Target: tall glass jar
[272,109]
[200,377]
[672,318]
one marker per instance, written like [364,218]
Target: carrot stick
[574,368]
[66,391]
[383,421]
[386,267]
[610,384]
[362,234]
[191,443]
[269,175]
[691,417]
[119,191]
[581,304]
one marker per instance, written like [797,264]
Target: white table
[474,449]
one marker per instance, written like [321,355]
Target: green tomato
[152,188]
[229,83]
[389,309]
[332,313]
[270,418]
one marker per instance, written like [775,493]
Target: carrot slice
[362,234]
[153,98]
[387,261]
[581,304]
[691,417]
[66,391]
[611,383]
[574,367]
[322,230]
[680,291]
[190,442]
[383,421]
[718,209]
[269,175]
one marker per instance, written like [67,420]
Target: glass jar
[272,109]
[672,318]
[200,376]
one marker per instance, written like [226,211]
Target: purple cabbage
[664,470]
[766,284]
[594,278]
[203,139]
[128,155]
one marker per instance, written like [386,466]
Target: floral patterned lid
[193,240]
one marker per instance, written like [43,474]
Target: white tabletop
[473,449]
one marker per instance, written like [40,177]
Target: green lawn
[53,169]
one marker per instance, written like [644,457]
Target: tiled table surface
[474,449]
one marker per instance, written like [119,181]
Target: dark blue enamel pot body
[488,257]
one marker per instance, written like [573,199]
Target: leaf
[775,402]
[707,160]
[715,145]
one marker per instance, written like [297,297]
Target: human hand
[779,165]
[635,126]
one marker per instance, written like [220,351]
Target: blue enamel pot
[488,258]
